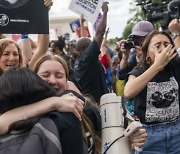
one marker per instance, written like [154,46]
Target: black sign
[23,17]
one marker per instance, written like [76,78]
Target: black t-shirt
[159,100]
[89,75]
[70,132]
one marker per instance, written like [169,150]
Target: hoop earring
[148,60]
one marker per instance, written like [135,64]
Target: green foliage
[127,30]
[139,14]
[113,41]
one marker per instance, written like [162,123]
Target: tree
[127,30]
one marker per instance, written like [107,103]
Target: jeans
[163,138]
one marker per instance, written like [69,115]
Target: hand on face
[138,139]
[160,51]
[164,57]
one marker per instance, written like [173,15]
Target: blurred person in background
[58,47]
[131,49]
[105,59]
[89,75]
[71,50]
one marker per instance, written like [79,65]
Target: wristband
[24,36]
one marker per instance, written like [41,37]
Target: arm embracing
[65,103]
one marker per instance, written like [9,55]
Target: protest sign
[87,33]
[89,8]
[23,17]
[75,25]
[97,21]
[76,28]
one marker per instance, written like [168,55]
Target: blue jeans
[163,138]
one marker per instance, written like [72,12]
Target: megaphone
[113,126]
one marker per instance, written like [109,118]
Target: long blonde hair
[87,124]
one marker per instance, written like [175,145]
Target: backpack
[43,138]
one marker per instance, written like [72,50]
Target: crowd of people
[51,90]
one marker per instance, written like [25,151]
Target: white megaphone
[113,126]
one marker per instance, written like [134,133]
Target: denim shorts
[163,138]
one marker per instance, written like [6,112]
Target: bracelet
[174,35]
[24,36]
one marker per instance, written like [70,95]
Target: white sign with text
[89,8]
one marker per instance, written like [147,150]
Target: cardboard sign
[23,17]
[89,8]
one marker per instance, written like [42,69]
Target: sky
[117,16]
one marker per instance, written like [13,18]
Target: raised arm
[137,84]
[43,42]
[26,48]
[42,47]
[104,43]
[82,27]
[174,28]
[102,25]
[65,103]
[33,44]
